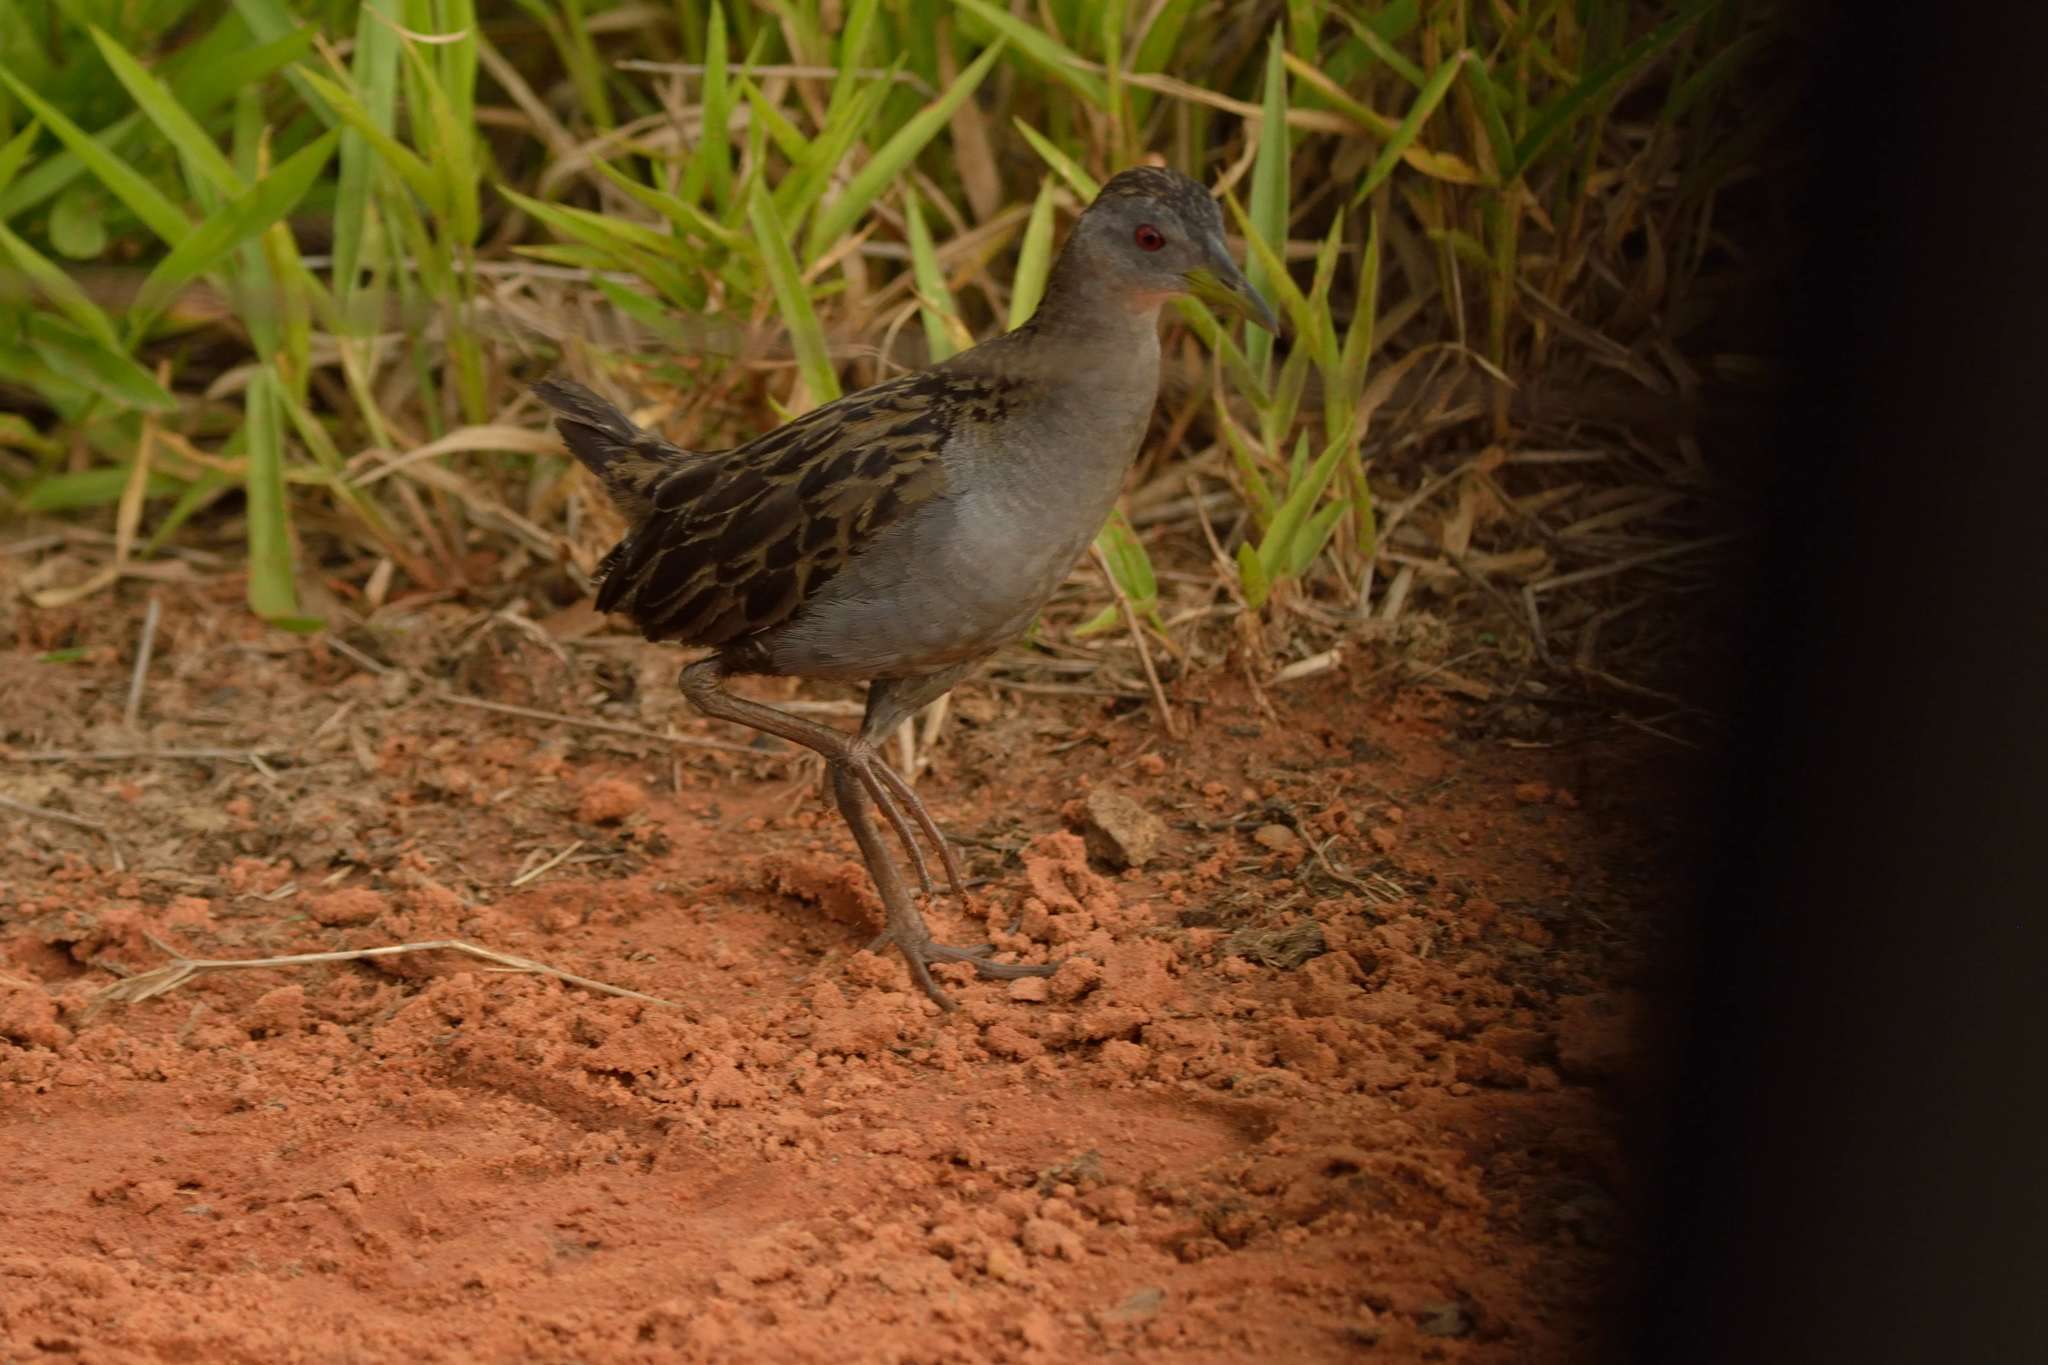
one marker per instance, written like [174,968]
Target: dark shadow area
[1851,1174]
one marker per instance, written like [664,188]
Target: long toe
[921,954]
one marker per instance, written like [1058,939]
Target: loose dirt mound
[1339,1068]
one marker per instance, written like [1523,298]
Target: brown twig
[132,712]
[250,756]
[75,821]
[180,969]
[1166,716]
[609,726]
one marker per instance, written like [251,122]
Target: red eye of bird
[1150,238]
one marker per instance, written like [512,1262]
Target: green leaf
[15,153]
[1277,549]
[1560,112]
[1068,169]
[1274,282]
[57,285]
[888,162]
[78,224]
[1034,259]
[936,309]
[1252,578]
[711,160]
[235,222]
[1270,177]
[84,488]
[423,181]
[177,125]
[129,185]
[1431,95]
[687,217]
[92,365]
[1041,48]
[813,357]
[272,592]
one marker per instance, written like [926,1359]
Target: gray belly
[961,578]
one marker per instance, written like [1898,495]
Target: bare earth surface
[1338,1074]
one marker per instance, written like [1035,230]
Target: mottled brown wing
[737,541]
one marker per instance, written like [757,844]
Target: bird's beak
[1222,286]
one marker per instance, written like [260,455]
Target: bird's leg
[856,771]
[891,701]
[703,683]
[907,929]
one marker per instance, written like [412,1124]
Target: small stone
[1383,838]
[1279,838]
[1142,1304]
[1029,990]
[1445,1320]
[1119,831]
[609,800]
[1533,793]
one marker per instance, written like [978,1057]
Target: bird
[900,535]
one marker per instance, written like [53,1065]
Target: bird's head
[1157,233]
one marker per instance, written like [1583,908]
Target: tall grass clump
[288,267]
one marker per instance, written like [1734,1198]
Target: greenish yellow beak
[1222,286]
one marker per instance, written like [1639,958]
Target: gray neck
[1095,330]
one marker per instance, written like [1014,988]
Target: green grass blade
[374,71]
[423,181]
[78,490]
[943,329]
[1560,112]
[1040,48]
[1431,96]
[889,160]
[77,357]
[1034,259]
[1065,166]
[272,592]
[177,125]
[1275,283]
[1271,175]
[689,220]
[236,222]
[15,154]
[129,185]
[792,299]
[57,285]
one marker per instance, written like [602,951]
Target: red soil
[1338,1072]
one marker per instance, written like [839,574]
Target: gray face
[1163,234]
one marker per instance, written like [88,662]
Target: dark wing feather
[732,544]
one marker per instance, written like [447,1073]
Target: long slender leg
[856,771]
[891,701]
[703,683]
[907,929]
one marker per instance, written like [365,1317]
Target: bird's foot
[921,951]
[905,811]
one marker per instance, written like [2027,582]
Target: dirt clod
[609,800]
[1279,838]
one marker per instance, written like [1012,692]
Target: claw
[920,956]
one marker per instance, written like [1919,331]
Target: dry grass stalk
[180,969]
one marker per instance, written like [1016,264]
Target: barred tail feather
[626,458]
